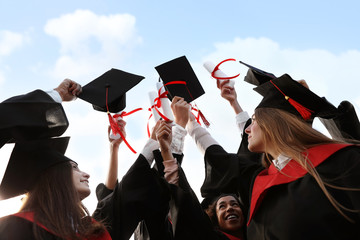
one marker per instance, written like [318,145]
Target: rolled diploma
[152,96]
[165,102]
[116,136]
[211,66]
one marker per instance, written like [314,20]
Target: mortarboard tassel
[303,111]
[205,121]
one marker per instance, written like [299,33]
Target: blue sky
[44,42]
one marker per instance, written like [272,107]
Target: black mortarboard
[179,69]
[27,161]
[34,115]
[289,95]
[257,76]
[118,83]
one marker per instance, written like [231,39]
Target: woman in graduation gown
[54,187]
[139,202]
[307,187]
[189,220]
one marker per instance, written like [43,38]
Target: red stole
[292,171]
[231,237]
[30,217]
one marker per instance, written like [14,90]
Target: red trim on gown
[29,216]
[292,171]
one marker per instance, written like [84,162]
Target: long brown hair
[291,136]
[56,204]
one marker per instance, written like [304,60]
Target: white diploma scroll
[211,66]
[112,135]
[152,96]
[165,102]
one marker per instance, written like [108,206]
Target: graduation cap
[289,95]
[257,76]
[180,79]
[109,90]
[34,115]
[27,161]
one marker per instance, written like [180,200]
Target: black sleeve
[189,221]
[157,225]
[102,191]
[229,173]
[159,161]
[139,195]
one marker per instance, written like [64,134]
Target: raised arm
[229,93]
[112,176]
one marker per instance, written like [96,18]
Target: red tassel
[304,112]
[205,121]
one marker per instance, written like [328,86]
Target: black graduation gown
[189,220]
[140,195]
[157,227]
[17,228]
[33,115]
[297,209]
[222,172]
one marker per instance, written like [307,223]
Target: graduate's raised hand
[228,92]
[181,110]
[154,129]
[68,90]
[164,135]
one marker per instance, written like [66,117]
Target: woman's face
[255,137]
[229,214]
[81,181]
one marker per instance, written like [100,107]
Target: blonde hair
[291,136]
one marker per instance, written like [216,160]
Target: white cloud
[90,42]
[10,41]
[2,78]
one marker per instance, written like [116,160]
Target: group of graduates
[287,180]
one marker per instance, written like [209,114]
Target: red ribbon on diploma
[217,68]
[113,122]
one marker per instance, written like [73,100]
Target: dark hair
[211,209]
[56,204]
